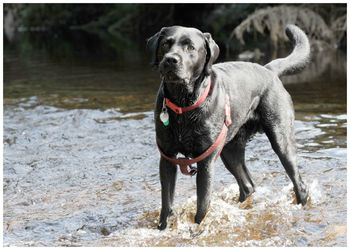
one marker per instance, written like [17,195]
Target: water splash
[91,189]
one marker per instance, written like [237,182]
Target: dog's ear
[212,52]
[152,45]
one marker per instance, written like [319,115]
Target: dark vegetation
[234,26]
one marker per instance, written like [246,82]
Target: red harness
[184,163]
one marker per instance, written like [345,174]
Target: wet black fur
[258,101]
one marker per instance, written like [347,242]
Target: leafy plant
[272,20]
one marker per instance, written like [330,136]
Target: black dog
[250,94]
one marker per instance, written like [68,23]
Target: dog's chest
[183,132]
[188,134]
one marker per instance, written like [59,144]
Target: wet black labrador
[258,102]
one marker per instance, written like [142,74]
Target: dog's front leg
[204,188]
[167,172]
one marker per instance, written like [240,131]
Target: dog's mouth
[172,77]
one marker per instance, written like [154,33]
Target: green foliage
[126,24]
[272,20]
[54,16]
[226,16]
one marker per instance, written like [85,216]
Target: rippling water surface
[81,164]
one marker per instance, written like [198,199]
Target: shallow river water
[80,163]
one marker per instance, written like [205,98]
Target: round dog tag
[164,117]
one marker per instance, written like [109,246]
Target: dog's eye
[190,48]
[165,45]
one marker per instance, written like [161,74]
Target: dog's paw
[302,196]
[164,218]
[161,225]
[246,192]
[303,199]
[198,218]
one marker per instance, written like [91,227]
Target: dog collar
[179,110]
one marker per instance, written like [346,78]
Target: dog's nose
[172,59]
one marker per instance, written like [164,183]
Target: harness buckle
[186,167]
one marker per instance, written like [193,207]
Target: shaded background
[84,27]
[80,161]
[114,36]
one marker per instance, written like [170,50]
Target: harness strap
[179,110]
[184,163]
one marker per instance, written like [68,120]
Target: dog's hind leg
[278,124]
[167,180]
[283,143]
[233,155]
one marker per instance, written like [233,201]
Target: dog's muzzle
[170,67]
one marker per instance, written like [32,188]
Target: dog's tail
[298,59]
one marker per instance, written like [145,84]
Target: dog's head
[182,54]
